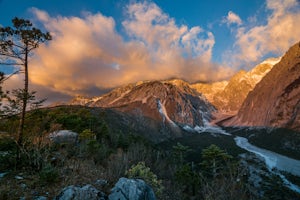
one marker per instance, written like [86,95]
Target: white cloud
[280,32]
[232,18]
[147,23]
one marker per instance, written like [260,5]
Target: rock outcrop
[63,136]
[275,101]
[124,189]
[87,192]
[133,189]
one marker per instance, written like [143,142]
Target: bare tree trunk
[24,105]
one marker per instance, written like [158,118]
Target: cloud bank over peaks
[88,52]
[280,31]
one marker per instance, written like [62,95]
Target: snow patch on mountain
[206,128]
[162,110]
[272,61]
[94,99]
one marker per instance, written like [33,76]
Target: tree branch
[19,46]
[7,77]
[12,56]
[11,64]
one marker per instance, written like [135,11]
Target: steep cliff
[275,100]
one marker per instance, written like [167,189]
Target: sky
[98,45]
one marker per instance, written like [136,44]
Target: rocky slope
[162,101]
[275,101]
[228,96]
[166,106]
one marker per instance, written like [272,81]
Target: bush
[86,134]
[140,171]
[49,174]
[188,179]
[8,149]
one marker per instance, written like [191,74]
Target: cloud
[87,55]
[47,93]
[232,18]
[276,36]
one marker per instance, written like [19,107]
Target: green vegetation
[140,171]
[201,166]
[49,174]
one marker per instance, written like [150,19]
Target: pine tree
[16,46]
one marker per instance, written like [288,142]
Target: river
[273,160]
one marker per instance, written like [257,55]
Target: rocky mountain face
[166,106]
[173,105]
[228,96]
[210,90]
[275,100]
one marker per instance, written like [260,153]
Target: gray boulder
[133,189]
[86,192]
[3,174]
[63,136]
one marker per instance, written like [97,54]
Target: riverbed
[273,160]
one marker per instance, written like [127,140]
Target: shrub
[188,179]
[8,149]
[49,174]
[140,171]
[87,134]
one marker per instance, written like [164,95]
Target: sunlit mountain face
[229,95]
[275,99]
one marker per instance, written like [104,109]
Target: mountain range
[267,95]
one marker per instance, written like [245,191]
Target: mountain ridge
[228,96]
[169,107]
[275,100]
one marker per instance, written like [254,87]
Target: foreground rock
[133,189]
[63,136]
[86,192]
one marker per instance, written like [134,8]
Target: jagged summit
[272,61]
[228,96]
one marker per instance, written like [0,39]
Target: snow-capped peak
[272,61]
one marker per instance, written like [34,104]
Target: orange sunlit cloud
[88,52]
